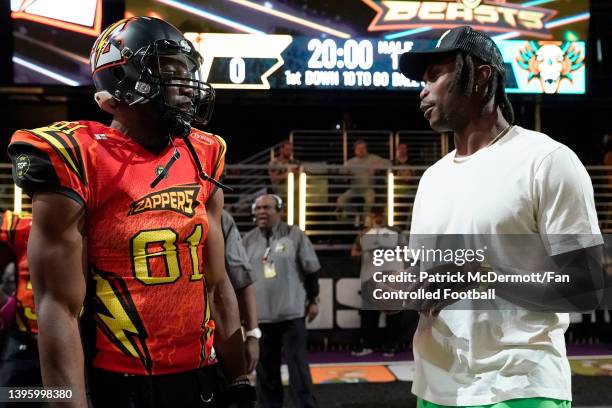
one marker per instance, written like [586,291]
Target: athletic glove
[239,394]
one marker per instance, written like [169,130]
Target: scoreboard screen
[253,61]
[315,44]
[355,44]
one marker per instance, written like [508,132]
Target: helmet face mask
[170,77]
[154,63]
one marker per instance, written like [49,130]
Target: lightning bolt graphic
[102,42]
[118,319]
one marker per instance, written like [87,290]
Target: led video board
[316,44]
[355,44]
[52,39]
[76,15]
[251,61]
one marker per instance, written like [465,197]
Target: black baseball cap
[414,63]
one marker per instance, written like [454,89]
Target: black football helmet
[127,65]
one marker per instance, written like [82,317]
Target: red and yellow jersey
[144,245]
[14,233]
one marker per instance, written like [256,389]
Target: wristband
[255,333]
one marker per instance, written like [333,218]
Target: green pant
[515,403]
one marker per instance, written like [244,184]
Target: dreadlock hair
[464,79]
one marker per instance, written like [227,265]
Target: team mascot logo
[106,52]
[550,62]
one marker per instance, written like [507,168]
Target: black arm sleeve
[311,284]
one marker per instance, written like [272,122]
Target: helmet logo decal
[185,46]
[104,52]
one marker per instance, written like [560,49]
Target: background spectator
[377,236]
[280,167]
[404,183]
[286,270]
[362,168]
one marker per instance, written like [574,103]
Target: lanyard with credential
[268,265]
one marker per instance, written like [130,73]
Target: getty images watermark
[550,273]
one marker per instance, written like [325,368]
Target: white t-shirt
[526,183]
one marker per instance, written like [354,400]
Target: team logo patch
[180,199]
[22,165]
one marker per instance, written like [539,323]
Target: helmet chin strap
[181,128]
[176,125]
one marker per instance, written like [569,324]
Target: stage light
[293,19]
[17,199]
[390,198]
[210,16]
[290,198]
[407,33]
[302,198]
[44,71]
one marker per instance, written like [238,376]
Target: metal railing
[336,146]
[601,177]
[424,147]
[334,225]
[247,182]
[263,156]
[316,207]
[335,199]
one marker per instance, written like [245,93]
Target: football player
[19,364]
[126,226]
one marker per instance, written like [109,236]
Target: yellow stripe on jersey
[70,155]
[220,155]
[8,225]
[117,321]
[20,325]
[116,316]
[208,329]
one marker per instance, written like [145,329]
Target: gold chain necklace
[494,140]
[501,134]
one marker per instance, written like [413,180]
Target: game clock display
[250,61]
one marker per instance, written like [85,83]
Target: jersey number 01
[167,238]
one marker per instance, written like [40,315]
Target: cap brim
[413,64]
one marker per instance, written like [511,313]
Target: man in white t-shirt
[501,179]
[378,235]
